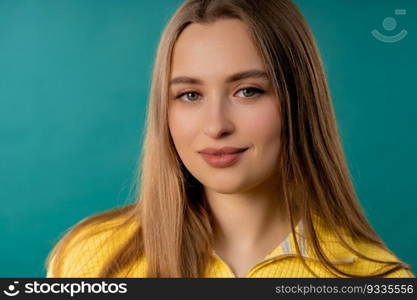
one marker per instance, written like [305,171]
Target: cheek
[263,129]
[183,128]
[263,126]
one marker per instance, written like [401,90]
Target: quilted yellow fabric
[88,255]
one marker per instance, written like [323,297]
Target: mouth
[222,159]
[222,151]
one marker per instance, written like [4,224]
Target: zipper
[266,261]
[255,267]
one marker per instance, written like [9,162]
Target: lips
[223,150]
[223,157]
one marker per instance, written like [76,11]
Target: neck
[248,219]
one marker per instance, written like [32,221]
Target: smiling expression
[220,96]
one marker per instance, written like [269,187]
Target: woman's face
[220,96]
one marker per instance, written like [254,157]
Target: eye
[250,92]
[189,96]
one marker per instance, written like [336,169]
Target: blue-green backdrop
[74,82]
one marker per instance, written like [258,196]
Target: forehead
[218,48]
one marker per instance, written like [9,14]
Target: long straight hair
[175,233]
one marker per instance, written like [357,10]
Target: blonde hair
[175,233]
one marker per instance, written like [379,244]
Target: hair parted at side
[175,232]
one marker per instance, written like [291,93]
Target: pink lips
[223,157]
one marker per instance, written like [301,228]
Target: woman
[242,173]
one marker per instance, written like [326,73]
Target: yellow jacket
[87,256]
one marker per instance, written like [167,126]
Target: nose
[217,119]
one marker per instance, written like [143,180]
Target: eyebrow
[235,77]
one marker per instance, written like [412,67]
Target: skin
[249,218]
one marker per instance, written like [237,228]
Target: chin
[226,187]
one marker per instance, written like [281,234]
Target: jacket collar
[330,243]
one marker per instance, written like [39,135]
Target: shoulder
[91,242]
[353,263]
[378,252]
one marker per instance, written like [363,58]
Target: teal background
[74,82]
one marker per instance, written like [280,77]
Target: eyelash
[257,90]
